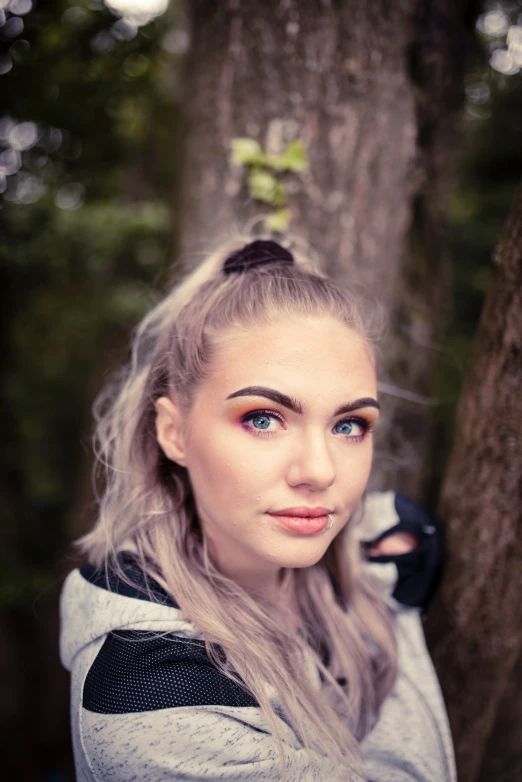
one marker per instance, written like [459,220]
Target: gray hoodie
[148,709]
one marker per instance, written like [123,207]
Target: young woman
[249,613]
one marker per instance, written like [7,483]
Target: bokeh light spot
[10,161]
[135,65]
[75,16]
[123,30]
[20,7]
[176,42]
[5,63]
[70,196]
[493,23]
[138,12]
[13,27]
[502,61]
[23,136]
[29,189]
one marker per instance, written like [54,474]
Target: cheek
[208,468]
[221,468]
[355,470]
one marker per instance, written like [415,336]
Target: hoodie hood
[93,603]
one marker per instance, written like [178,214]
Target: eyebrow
[293,404]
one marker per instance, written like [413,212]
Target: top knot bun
[258,253]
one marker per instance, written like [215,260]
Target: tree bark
[502,759]
[474,629]
[374,91]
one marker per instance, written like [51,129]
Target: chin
[302,560]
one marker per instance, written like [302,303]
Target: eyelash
[362,422]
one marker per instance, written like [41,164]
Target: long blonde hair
[146,499]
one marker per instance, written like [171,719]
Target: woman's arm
[394,543]
[192,744]
[403,549]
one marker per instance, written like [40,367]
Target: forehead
[299,355]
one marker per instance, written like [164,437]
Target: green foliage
[293,158]
[264,187]
[278,221]
[247,152]
[262,180]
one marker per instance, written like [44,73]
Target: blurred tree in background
[90,143]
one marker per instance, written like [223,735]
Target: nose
[312,463]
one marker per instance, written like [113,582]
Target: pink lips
[303,520]
[302,512]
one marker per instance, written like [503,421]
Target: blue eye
[265,420]
[262,416]
[353,427]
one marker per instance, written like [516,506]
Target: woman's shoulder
[98,603]
[128,580]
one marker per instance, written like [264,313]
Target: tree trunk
[502,759]
[475,626]
[373,90]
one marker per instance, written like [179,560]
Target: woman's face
[248,455]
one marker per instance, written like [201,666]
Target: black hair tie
[258,253]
